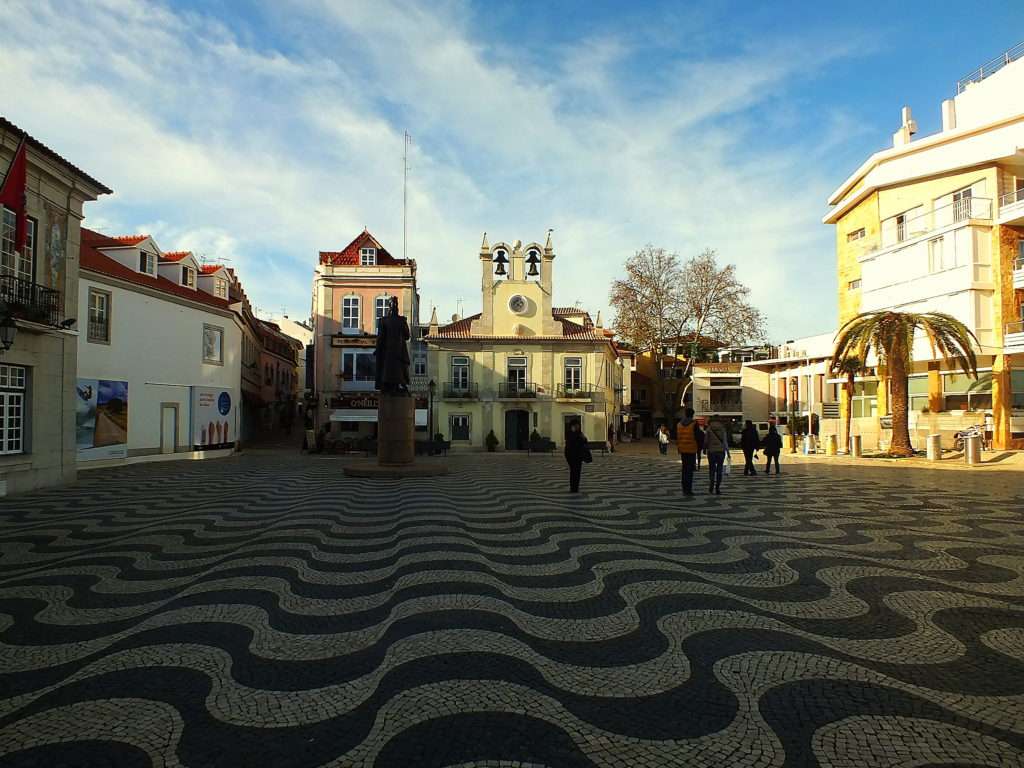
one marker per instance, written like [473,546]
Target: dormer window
[147,263]
[188,277]
[367,257]
[220,288]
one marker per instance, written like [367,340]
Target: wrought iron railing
[581,392]
[98,331]
[513,390]
[31,301]
[460,391]
[721,406]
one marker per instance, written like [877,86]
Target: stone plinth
[396,427]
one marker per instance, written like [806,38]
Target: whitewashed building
[159,355]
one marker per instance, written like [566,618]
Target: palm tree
[891,336]
[849,367]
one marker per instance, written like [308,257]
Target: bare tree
[662,305]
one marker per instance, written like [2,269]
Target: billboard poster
[213,418]
[101,419]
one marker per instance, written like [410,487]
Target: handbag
[588,457]
[727,469]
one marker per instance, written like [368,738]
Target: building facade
[301,331]
[937,224]
[39,289]
[520,365]
[351,291]
[159,358]
[279,365]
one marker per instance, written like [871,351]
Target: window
[459,425]
[857,234]
[917,388]
[380,308]
[20,265]
[865,399]
[147,263]
[213,344]
[266,373]
[419,362]
[853,285]
[642,395]
[460,373]
[1017,388]
[367,257]
[964,393]
[901,227]
[99,317]
[12,408]
[573,373]
[350,314]
[962,204]
[935,255]
[359,366]
[188,277]
[220,288]
[516,373]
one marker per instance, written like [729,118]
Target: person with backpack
[577,453]
[689,442]
[716,446]
[772,448]
[749,442]
[663,439]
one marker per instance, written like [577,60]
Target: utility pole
[406,141]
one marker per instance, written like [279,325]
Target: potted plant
[491,441]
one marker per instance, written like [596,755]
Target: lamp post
[431,388]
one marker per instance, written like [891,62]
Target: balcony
[517,390]
[1011,208]
[460,391]
[31,301]
[582,392]
[1018,273]
[721,406]
[902,230]
[1013,338]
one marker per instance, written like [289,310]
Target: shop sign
[353,341]
[720,367]
[365,401]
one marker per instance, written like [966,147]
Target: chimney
[948,115]
[907,129]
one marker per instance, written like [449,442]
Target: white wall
[994,98]
[156,345]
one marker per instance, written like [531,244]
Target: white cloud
[265,154]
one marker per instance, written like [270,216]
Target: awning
[369,415]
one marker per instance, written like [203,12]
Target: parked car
[762,429]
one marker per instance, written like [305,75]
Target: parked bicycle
[960,438]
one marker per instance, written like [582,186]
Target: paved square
[266,610]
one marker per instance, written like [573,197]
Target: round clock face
[517,304]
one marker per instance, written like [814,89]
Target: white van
[762,429]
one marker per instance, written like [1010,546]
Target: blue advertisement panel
[213,418]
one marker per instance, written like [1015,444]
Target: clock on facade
[518,304]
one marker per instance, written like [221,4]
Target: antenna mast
[405,194]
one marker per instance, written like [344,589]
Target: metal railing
[582,392]
[964,209]
[717,406]
[1015,196]
[990,67]
[31,301]
[517,390]
[460,391]
[1015,327]
[1018,264]
[98,331]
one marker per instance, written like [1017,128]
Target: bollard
[934,447]
[831,445]
[972,450]
[809,446]
[855,449]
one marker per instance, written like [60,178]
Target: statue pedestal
[396,430]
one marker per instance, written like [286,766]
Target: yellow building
[937,224]
[521,366]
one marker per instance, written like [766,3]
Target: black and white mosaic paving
[267,610]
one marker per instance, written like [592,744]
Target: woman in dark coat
[749,442]
[772,449]
[576,453]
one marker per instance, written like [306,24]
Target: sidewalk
[991,460]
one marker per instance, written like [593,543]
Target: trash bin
[972,450]
[831,445]
[809,446]
[934,447]
[855,449]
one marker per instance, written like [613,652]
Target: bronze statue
[392,352]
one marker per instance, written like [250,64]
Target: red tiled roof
[92,259]
[175,255]
[8,127]
[209,269]
[129,239]
[349,255]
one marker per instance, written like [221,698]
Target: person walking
[716,445]
[689,439]
[611,438]
[663,439]
[749,442]
[772,448]
[577,453]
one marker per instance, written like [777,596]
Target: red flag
[12,196]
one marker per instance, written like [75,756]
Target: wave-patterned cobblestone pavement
[266,610]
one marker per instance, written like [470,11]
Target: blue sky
[260,133]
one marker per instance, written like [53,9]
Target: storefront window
[917,387]
[865,399]
[965,393]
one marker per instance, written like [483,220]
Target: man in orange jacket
[689,440]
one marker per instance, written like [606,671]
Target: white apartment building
[159,356]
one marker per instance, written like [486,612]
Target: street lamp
[8,327]
[431,388]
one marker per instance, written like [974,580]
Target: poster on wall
[101,419]
[213,418]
